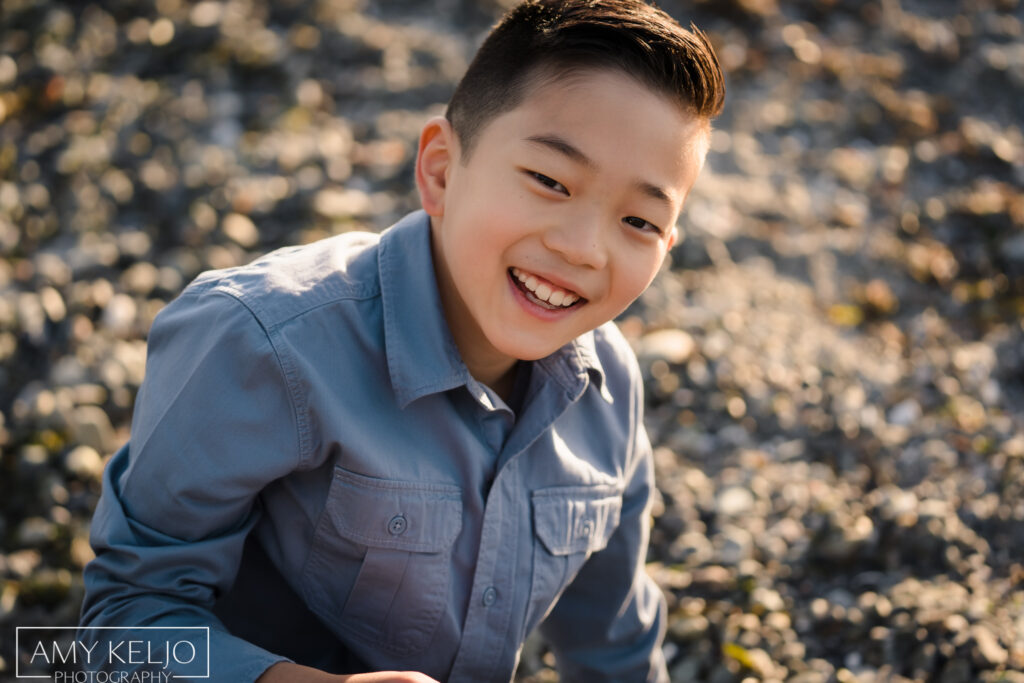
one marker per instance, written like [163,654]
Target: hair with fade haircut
[544,39]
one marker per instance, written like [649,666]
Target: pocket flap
[404,515]
[576,519]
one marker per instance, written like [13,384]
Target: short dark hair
[564,35]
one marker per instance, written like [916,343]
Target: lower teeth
[533,297]
[547,304]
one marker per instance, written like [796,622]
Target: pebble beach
[833,354]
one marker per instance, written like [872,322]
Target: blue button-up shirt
[314,474]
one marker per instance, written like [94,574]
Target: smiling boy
[561,213]
[390,458]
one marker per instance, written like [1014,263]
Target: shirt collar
[421,353]
[575,364]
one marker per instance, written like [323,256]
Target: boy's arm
[213,424]
[610,622]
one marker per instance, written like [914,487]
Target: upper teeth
[544,291]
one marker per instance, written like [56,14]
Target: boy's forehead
[547,90]
[561,82]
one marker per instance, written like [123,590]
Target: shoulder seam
[299,414]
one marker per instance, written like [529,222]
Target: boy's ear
[437,152]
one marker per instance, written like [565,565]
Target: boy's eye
[549,182]
[641,224]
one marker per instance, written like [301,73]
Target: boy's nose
[580,242]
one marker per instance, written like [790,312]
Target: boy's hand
[289,672]
[389,677]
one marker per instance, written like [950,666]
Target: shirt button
[490,595]
[397,525]
[587,527]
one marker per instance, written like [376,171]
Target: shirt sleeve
[609,623]
[213,424]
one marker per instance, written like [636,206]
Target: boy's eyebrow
[566,148]
[653,191]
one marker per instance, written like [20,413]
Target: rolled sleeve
[610,622]
[213,425]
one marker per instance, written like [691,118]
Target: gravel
[833,358]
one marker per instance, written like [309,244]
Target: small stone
[119,314]
[689,628]
[8,70]
[905,413]
[767,600]
[988,653]
[241,230]
[714,577]
[81,551]
[955,623]
[53,304]
[95,394]
[68,371]
[34,454]
[733,545]
[90,426]
[161,32]
[933,508]
[692,548]
[856,167]
[672,346]
[36,531]
[141,278]
[338,203]
[23,562]
[8,599]
[206,13]
[778,621]
[734,500]
[879,296]
[85,462]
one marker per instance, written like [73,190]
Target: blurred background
[834,357]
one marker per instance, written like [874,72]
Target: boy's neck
[505,385]
[500,376]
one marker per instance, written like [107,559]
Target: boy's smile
[544,293]
[560,217]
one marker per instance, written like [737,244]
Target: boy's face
[560,217]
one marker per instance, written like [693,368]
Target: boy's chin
[528,350]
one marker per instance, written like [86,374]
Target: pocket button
[587,528]
[397,525]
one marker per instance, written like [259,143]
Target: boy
[401,453]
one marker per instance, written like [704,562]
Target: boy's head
[555,180]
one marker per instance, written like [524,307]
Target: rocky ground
[834,358]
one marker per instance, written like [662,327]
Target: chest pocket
[379,569]
[570,524]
